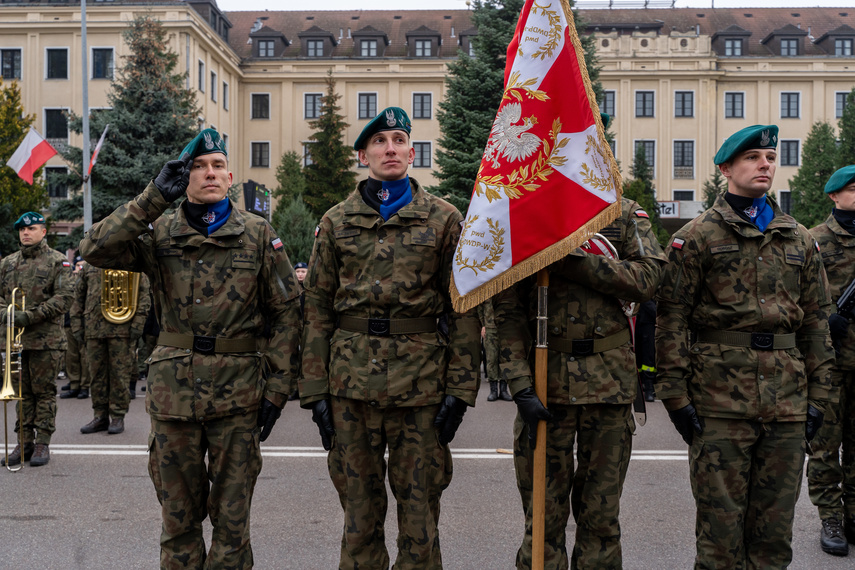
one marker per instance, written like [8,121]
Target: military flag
[547,180]
[96,151]
[30,155]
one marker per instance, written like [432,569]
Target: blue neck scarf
[387,197]
[208,218]
[760,213]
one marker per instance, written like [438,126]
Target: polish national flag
[33,152]
[548,180]
[97,150]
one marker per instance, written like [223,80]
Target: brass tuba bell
[119,295]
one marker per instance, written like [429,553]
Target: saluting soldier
[215,386]
[831,474]
[386,363]
[44,277]
[744,358]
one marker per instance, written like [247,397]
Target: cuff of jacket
[467,396]
[672,404]
[517,384]
[312,391]
[278,399]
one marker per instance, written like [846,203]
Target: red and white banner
[32,153]
[97,150]
[548,179]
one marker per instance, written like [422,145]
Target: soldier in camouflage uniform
[591,384]
[490,355]
[110,348]
[385,360]
[44,277]
[744,358]
[76,365]
[215,385]
[831,474]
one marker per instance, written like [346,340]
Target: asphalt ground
[93,506]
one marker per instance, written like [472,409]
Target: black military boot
[494,391]
[41,455]
[97,424]
[503,392]
[117,425]
[849,530]
[65,387]
[84,393]
[69,393]
[831,538]
[15,456]
[132,388]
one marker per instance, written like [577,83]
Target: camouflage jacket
[723,274]
[44,275]
[837,247]
[227,285]
[364,267]
[584,292]
[86,313]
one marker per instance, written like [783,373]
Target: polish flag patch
[677,243]
[66,264]
[641,214]
[277,243]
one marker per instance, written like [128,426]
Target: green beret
[606,119]
[840,179]
[208,141]
[29,219]
[389,119]
[755,136]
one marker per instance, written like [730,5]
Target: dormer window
[423,48]
[265,48]
[423,42]
[317,43]
[368,48]
[733,47]
[369,42]
[315,48]
[843,46]
[787,41]
[731,41]
[789,46]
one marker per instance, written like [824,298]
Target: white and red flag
[96,151]
[30,155]
[548,180]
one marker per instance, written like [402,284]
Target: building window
[684,159]
[315,48]
[790,47]
[56,181]
[260,105]
[57,63]
[644,103]
[613,146]
[225,96]
[260,155]
[733,47]
[213,86]
[56,125]
[422,105]
[649,148]
[789,153]
[684,195]
[202,76]
[684,104]
[843,46]
[11,63]
[607,105]
[423,155]
[423,48]
[312,105]
[307,154]
[785,201]
[102,63]
[839,103]
[367,105]
[265,48]
[734,105]
[368,48]
[789,105]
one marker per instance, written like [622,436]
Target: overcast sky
[234,5]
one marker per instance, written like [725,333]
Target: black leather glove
[267,416]
[531,411]
[687,422]
[22,318]
[449,417]
[322,415]
[813,423]
[173,179]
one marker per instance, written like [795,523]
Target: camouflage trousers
[111,362]
[491,352]
[419,470]
[76,365]
[746,477]
[189,489]
[38,406]
[591,486]
[831,467]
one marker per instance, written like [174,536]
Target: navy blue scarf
[755,210]
[387,196]
[207,218]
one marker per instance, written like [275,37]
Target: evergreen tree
[810,204]
[152,117]
[846,128]
[16,196]
[295,224]
[329,178]
[640,188]
[713,188]
[289,177]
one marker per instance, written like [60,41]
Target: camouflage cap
[208,141]
[840,179]
[389,119]
[755,136]
[606,119]
[29,219]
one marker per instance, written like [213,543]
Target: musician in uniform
[76,365]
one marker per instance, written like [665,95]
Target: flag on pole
[97,150]
[32,153]
[548,179]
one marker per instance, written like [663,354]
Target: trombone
[14,346]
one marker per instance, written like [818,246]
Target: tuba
[119,295]
[12,357]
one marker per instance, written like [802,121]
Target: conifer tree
[295,224]
[846,130]
[713,187]
[329,178]
[290,179]
[810,204]
[641,189]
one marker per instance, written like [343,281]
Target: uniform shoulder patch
[66,264]
[276,243]
[641,214]
[816,244]
[677,243]
[317,230]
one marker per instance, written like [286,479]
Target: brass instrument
[14,346]
[119,295]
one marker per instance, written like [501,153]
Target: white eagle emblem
[764,138]
[390,118]
[510,140]
[209,218]
[209,143]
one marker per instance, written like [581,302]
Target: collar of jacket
[358,213]
[34,250]
[781,221]
[844,237]
[180,227]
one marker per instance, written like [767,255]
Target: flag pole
[538,497]
[87,183]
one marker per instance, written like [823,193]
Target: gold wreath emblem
[598,176]
[494,251]
[554,34]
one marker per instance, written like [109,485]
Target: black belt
[588,346]
[387,327]
[207,344]
[755,340]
